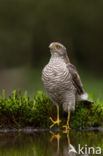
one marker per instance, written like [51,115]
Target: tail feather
[82,97]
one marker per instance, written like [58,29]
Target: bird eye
[57,46]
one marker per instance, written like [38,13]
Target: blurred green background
[28,26]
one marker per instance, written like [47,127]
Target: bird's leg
[57,121]
[68,138]
[57,136]
[68,120]
[67,125]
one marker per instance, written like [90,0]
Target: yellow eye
[57,46]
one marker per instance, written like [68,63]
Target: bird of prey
[62,82]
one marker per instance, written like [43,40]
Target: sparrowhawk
[62,82]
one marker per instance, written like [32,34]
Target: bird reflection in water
[67,149]
[56,136]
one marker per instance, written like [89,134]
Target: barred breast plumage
[57,81]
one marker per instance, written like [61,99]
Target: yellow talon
[67,128]
[57,121]
[54,122]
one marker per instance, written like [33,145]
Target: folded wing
[75,78]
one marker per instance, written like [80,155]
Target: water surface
[45,143]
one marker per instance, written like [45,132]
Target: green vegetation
[19,110]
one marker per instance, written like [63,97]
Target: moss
[19,110]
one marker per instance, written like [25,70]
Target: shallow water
[45,143]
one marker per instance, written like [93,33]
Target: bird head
[57,49]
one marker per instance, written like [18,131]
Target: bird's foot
[67,129]
[55,122]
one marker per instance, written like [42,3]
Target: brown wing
[75,78]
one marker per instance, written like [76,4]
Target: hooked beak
[51,46]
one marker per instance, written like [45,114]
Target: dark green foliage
[19,110]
